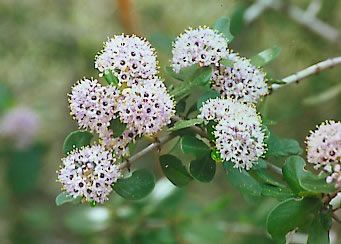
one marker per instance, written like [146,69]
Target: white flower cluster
[92,105]
[21,125]
[242,81]
[324,150]
[239,135]
[127,57]
[202,46]
[146,107]
[89,173]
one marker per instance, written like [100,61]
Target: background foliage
[44,47]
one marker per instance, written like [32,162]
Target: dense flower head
[89,173]
[92,105]
[202,46]
[324,150]
[127,57]
[239,134]
[21,125]
[217,109]
[146,106]
[242,81]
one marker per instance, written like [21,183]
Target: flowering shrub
[223,129]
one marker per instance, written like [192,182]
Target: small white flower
[324,150]
[128,57]
[243,81]
[93,106]
[202,46]
[146,107]
[89,173]
[239,134]
[21,125]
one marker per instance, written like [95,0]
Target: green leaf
[203,169]
[111,78]
[237,18]
[265,56]
[206,96]
[242,180]
[279,193]
[202,76]
[211,129]
[291,214]
[226,62]
[181,124]
[319,229]
[185,74]
[280,147]
[262,164]
[63,198]
[266,177]
[192,145]
[117,127]
[76,139]
[180,106]
[174,170]
[223,25]
[137,186]
[304,182]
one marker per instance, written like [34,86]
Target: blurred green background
[47,45]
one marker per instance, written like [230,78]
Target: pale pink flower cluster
[93,106]
[324,150]
[239,134]
[127,57]
[20,125]
[89,173]
[202,46]
[242,81]
[146,106]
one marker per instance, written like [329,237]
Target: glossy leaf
[265,56]
[111,78]
[117,127]
[136,186]
[291,214]
[279,193]
[76,139]
[266,177]
[223,26]
[280,147]
[195,146]
[242,180]
[304,182]
[203,169]
[185,74]
[319,229]
[202,76]
[174,170]
[206,96]
[182,124]
[63,198]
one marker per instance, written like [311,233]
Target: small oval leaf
[63,198]
[111,78]
[291,214]
[182,124]
[135,187]
[76,139]
[193,145]
[174,170]
[265,56]
[117,127]
[203,169]
[223,25]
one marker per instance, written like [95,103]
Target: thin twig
[127,16]
[312,70]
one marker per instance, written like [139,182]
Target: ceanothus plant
[222,129]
